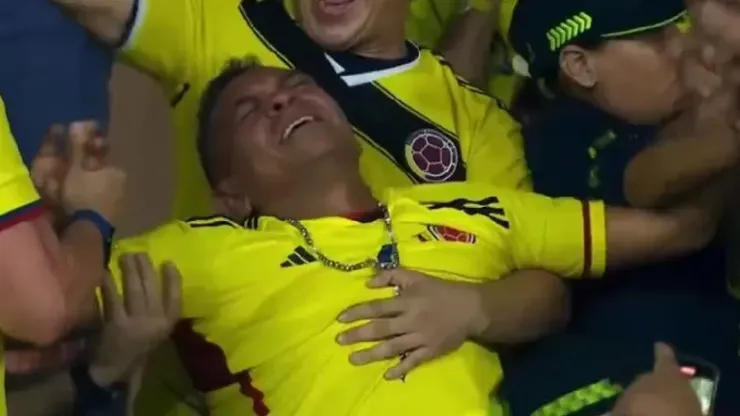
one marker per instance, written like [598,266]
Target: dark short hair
[206,140]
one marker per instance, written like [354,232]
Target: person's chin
[334,41]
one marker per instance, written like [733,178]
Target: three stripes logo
[298,257]
[568,29]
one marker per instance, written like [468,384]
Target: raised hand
[91,182]
[138,321]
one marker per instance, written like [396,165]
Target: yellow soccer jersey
[425,124]
[267,306]
[18,199]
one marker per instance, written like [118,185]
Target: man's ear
[577,65]
[231,203]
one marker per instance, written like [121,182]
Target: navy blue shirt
[575,149]
[52,71]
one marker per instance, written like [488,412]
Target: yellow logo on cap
[568,29]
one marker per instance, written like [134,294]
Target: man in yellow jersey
[426,125]
[416,121]
[273,142]
[42,291]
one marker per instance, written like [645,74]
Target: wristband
[92,399]
[105,228]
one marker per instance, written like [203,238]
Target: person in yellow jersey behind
[426,124]
[266,292]
[42,290]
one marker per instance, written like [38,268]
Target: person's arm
[135,324]
[522,307]
[466,44]
[41,293]
[41,289]
[695,148]
[160,37]
[582,238]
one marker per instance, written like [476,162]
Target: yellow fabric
[16,188]
[428,20]
[187,42]
[16,193]
[273,312]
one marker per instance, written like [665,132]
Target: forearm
[83,249]
[673,167]
[638,236]
[521,307]
[467,43]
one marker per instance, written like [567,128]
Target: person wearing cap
[618,123]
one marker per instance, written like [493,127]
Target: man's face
[276,125]
[352,25]
[639,79]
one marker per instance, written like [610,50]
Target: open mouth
[295,125]
[335,7]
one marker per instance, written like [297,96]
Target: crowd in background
[632,103]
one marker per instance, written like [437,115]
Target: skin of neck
[329,191]
[386,46]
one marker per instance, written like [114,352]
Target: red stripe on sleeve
[25,213]
[587,239]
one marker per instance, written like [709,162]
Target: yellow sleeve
[165,38]
[496,149]
[176,243]
[18,197]
[563,235]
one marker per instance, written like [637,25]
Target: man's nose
[279,101]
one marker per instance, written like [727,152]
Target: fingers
[408,363]
[171,292]
[96,154]
[148,277]
[49,165]
[80,134]
[376,330]
[113,308]
[386,350]
[133,291]
[397,277]
[374,309]
[665,358]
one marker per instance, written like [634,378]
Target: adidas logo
[298,257]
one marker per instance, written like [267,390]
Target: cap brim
[648,25]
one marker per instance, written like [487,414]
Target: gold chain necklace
[386,259]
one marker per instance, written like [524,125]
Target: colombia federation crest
[431,155]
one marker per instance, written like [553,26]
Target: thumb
[665,358]
[81,134]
